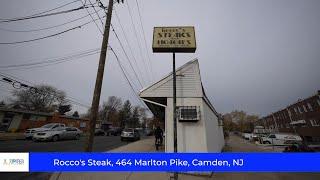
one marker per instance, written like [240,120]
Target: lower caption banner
[165,162]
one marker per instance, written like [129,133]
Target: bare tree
[109,110]
[239,120]
[42,98]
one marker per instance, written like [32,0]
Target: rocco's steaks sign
[174,39]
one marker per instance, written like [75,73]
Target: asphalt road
[101,144]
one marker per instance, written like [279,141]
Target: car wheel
[121,139]
[77,137]
[267,142]
[55,138]
[34,140]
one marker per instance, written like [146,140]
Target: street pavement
[101,144]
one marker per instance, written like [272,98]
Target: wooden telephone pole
[99,79]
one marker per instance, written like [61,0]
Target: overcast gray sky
[255,55]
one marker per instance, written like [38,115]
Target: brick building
[12,120]
[302,117]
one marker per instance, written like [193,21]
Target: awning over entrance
[157,106]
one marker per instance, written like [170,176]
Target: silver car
[58,134]
[48,127]
[130,134]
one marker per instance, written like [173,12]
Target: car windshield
[128,130]
[48,126]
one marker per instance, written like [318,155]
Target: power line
[55,63]
[13,80]
[45,15]
[136,35]
[46,28]
[144,37]
[126,77]
[52,60]
[127,41]
[92,18]
[96,11]
[135,73]
[122,47]
[46,11]
[45,37]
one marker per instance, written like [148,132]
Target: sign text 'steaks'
[174,39]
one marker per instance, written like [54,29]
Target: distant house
[13,120]
[199,126]
[301,117]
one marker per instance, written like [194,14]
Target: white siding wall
[191,135]
[214,132]
[188,84]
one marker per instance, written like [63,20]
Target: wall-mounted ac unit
[189,113]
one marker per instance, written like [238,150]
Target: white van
[281,139]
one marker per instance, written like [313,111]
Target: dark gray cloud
[258,56]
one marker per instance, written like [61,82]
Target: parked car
[30,132]
[99,132]
[281,139]
[58,134]
[114,131]
[247,136]
[130,134]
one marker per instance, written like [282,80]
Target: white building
[199,128]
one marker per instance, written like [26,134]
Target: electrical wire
[127,79]
[96,11]
[45,37]
[122,47]
[59,62]
[127,57]
[13,79]
[46,11]
[102,6]
[128,44]
[51,60]
[144,37]
[45,15]
[92,18]
[137,39]
[46,28]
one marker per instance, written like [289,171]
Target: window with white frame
[300,111]
[309,106]
[189,113]
[315,122]
[295,110]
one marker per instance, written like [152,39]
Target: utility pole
[175,144]
[99,79]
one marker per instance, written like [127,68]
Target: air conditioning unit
[189,113]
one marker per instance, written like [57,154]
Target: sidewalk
[145,145]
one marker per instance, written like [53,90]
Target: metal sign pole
[175,176]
